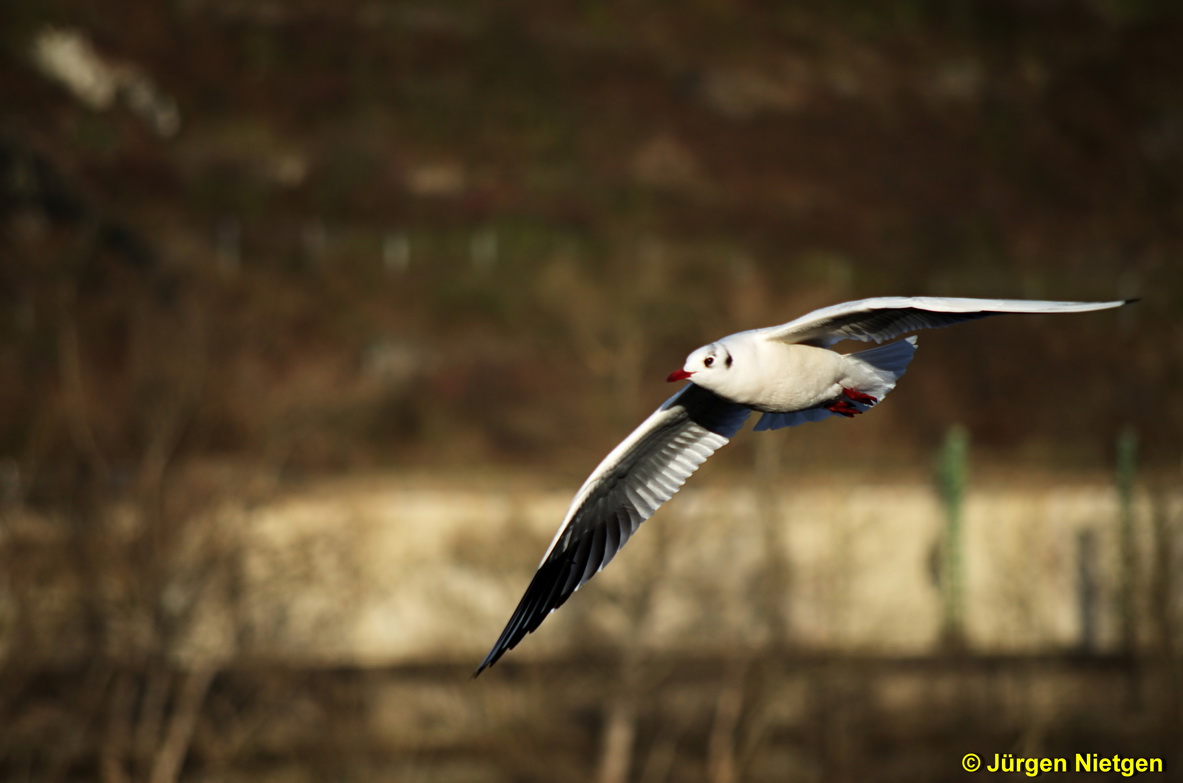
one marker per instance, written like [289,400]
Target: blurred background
[313,316]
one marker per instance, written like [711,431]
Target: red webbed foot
[859,396]
[843,407]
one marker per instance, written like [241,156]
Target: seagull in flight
[788,374]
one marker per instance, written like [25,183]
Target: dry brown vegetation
[435,237]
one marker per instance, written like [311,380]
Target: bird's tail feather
[886,363]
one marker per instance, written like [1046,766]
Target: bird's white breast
[778,377]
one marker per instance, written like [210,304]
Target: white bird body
[798,376]
[788,373]
[791,377]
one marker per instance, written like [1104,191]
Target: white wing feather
[882,318]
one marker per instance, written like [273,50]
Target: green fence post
[952,471]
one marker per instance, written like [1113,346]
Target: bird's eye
[707,362]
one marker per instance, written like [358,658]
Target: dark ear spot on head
[729,360]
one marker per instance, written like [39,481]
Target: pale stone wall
[386,569]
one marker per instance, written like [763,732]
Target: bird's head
[706,366]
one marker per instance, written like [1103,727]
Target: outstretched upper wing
[639,475]
[882,318]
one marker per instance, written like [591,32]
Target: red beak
[678,375]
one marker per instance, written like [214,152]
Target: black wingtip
[506,642]
[548,590]
[490,659]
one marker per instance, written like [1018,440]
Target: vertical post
[1127,466]
[951,482]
